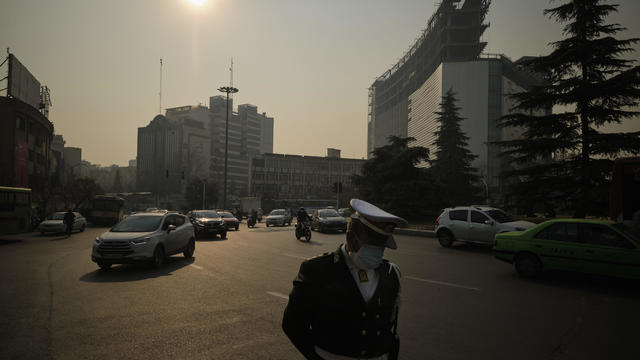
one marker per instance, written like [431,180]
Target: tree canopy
[392,180]
[565,157]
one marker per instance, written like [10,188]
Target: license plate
[211,230]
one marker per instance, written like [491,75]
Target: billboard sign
[22,85]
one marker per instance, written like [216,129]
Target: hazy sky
[307,63]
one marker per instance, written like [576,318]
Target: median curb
[415,232]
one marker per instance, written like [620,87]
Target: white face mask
[368,256]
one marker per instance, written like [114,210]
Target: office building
[448,55]
[293,180]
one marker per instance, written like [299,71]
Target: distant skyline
[307,64]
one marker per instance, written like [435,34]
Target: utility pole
[160,93]
[204,187]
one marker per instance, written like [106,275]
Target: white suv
[475,224]
[145,237]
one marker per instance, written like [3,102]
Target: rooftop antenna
[160,94]
[231,75]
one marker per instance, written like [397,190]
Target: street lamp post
[228,90]
[204,187]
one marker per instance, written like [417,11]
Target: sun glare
[197,2]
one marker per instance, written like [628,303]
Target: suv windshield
[328,213]
[277,212]
[205,214]
[500,216]
[138,224]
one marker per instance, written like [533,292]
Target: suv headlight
[140,241]
[199,223]
[98,241]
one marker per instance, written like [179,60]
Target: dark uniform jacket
[326,309]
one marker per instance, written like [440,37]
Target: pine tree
[564,156]
[452,165]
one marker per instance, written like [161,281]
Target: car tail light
[438,221]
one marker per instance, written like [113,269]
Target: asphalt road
[227,303]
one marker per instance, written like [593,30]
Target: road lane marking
[295,256]
[442,283]
[197,267]
[277,294]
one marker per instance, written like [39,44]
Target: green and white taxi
[579,245]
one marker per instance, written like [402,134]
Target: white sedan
[55,223]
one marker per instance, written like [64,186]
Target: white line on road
[197,267]
[442,283]
[295,256]
[277,294]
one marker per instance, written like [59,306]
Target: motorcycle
[303,230]
[251,221]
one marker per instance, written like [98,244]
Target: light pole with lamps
[228,90]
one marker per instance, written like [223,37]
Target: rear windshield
[277,212]
[226,215]
[328,213]
[500,216]
[206,214]
[138,224]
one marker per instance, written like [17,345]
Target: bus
[15,210]
[625,189]
[107,210]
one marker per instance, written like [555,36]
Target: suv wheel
[223,235]
[158,257]
[445,238]
[191,248]
[528,265]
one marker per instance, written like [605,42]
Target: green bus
[15,210]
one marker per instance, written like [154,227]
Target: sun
[197,2]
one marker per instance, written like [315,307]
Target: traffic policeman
[344,304]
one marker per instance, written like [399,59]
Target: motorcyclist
[303,216]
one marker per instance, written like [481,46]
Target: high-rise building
[250,134]
[189,143]
[448,55]
[166,157]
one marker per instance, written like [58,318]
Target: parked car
[324,220]
[475,224]
[279,217]
[230,221]
[145,237]
[55,223]
[580,245]
[207,223]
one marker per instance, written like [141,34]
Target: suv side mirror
[489,222]
[170,228]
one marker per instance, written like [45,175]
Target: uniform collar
[347,259]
